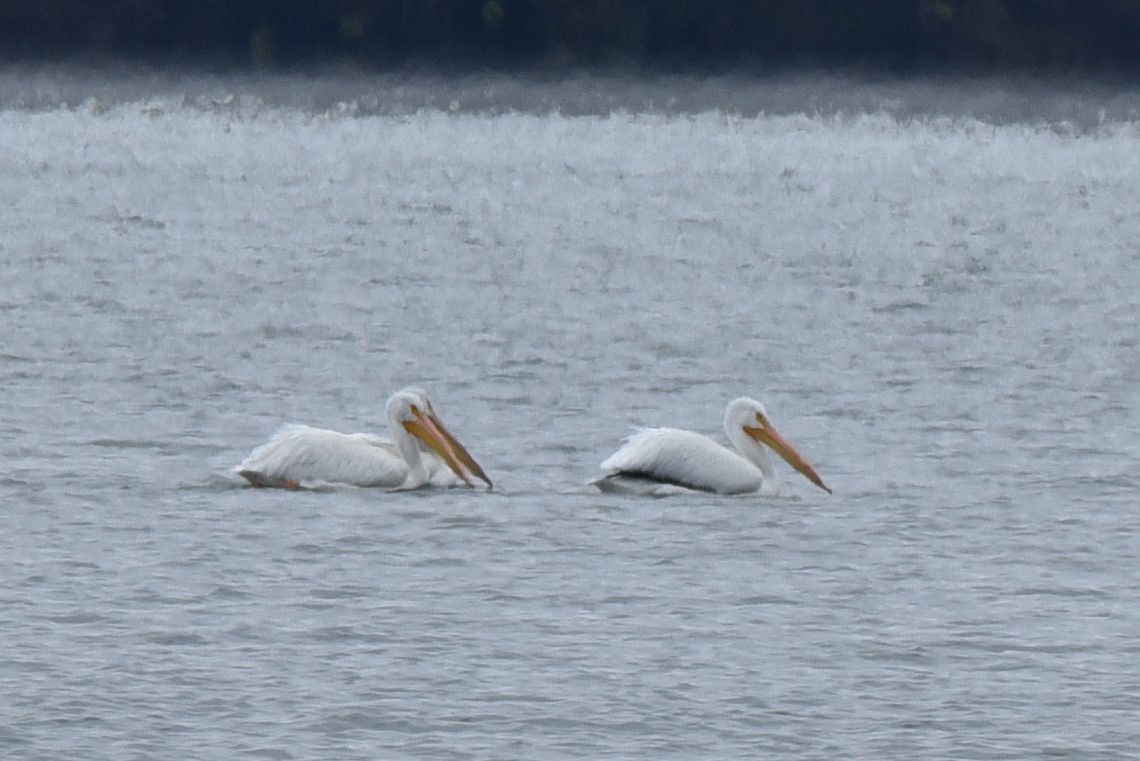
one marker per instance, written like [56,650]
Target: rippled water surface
[938,305]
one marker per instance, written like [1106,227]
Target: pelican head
[412,411]
[750,416]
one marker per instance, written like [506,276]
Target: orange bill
[767,434]
[428,429]
[460,451]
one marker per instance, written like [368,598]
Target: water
[937,302]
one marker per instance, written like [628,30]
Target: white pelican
[661,461]
[299,456]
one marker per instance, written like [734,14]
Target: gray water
[936,299]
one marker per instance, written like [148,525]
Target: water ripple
[911,297]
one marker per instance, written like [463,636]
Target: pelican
[660,461]
[298,456]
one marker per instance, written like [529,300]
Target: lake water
[934,287]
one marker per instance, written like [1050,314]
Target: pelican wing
[441,475]
[300,455]
[682,458]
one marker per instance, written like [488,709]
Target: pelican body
[661,461]
[298,456]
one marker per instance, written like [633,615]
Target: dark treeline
[1046,36]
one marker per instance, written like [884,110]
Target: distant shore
[1062,37]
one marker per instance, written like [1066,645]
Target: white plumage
[298,456]
[661,461]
